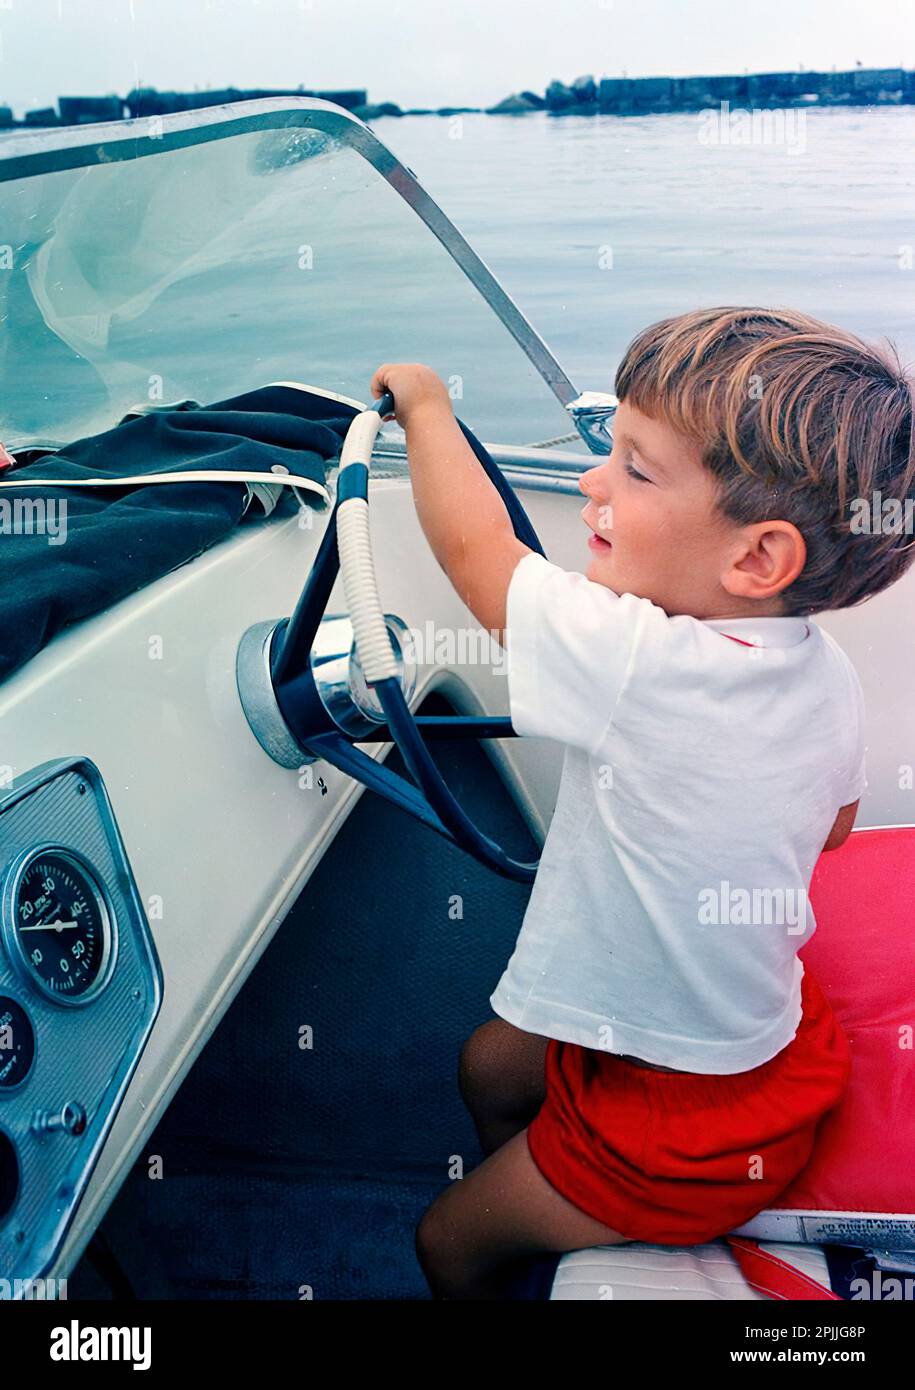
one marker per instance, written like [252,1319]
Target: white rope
[197,475]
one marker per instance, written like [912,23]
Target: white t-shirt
[700,781]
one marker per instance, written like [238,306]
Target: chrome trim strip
[543,482]
[537,470]
[79,147]
[560,460]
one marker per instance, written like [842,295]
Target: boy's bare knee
[451,1269]
[501,1071]
[480,1068]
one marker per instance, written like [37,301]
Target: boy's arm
[461,513]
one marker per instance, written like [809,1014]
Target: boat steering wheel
[303,701]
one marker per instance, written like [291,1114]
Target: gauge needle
[50,926]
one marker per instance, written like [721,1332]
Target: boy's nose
[593,481]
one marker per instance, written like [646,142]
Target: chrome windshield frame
[25,155]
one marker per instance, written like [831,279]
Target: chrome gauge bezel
[12,881]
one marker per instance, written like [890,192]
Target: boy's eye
[634,473]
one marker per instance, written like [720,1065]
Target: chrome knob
[71,1119]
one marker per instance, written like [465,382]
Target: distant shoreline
[625,96]
[620,96]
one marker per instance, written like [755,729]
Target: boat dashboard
[80,987]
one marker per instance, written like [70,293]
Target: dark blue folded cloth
[117,539]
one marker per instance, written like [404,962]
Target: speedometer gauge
[56,924]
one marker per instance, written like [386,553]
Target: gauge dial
[17,1043]
[57,926]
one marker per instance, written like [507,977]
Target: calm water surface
[823,223]
[182,276]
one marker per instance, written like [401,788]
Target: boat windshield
[205,269]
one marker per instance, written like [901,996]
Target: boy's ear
[768,556]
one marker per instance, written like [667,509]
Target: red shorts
[678,1158]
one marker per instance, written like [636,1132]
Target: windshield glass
[200,272]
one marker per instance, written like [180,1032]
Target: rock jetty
[626,96]
[586,96]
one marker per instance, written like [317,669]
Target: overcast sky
[426,52]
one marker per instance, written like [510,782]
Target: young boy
[662,1057]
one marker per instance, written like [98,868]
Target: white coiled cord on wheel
[354,545]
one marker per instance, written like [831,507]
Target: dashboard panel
[80,987]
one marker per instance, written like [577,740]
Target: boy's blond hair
[797,420]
